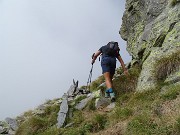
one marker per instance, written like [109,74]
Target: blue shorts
[108,64]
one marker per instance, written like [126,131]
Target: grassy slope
[151,112]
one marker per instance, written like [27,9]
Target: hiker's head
[113,42]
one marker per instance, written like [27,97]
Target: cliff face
[152,31]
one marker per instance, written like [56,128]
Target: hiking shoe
[107,94]
[112,96]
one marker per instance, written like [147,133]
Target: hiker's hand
[93,61]
[126,72]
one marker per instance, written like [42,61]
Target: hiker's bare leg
[111,79]
[108,79]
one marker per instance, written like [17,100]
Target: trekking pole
[89,79]
[90,76]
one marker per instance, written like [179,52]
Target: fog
[44,44]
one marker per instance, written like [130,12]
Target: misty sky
[44,44]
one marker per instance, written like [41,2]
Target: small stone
[102,102]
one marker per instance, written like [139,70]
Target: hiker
[108,63]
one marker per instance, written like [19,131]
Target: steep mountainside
[147,101]
[152,31]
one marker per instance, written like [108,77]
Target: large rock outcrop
[152,31]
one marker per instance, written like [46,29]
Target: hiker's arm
[123,65]
[95,56]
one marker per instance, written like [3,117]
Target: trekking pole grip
[93,55]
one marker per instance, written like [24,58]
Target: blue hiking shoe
[107,95]
[112,96]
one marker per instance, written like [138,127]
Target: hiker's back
[111,49]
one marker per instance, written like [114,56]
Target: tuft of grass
[50,109]
[88,127]
[32,126]
[80,98]
[91,105]
[157,108]
[174,2]
[99,122]
[50,131]
[51,114]
[94,85]
[143,99]
[167,66]
[145,124]
[171,93]
[124,84]
[178,125]
[122,113]
[141,125]
[71,131]
[83,87]
[123,99]
[38,124]
[78,117]
[28,113]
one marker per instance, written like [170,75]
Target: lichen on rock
[152,31]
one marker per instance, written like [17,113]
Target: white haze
[44,44]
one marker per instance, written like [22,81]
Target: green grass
[50,131]
[77,118]
[174,2]
[32,126]
[142,113]
[171,93]
[178,125]
[99,122]
[145,124]
[124,84]
[83,127]
[91,105]
[141,125]
[80,98]
[39,124]
[72,131]
[94,85]
[122,113]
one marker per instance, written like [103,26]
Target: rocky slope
[147,101]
